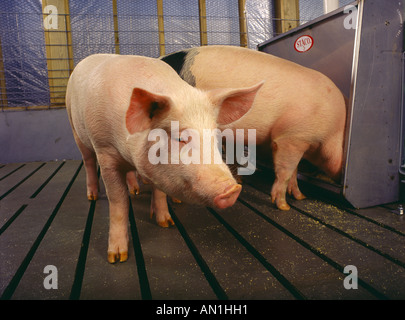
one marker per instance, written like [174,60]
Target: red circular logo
[303,43]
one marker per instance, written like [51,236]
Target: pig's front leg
[159,207]
[117,193]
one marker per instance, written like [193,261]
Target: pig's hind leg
[90,165]
[293,187]
[287,153]
[132,183]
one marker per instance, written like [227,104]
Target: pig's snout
[228,198]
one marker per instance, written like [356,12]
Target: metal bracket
[399,211]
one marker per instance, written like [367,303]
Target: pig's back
[99,92]
[230,65]
[113,77]
[290,90]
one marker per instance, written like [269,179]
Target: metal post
[330,5]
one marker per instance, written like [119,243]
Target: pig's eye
[179,139]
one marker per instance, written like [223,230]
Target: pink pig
[298,113]
[114,102]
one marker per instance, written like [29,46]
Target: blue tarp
[138,27]
[92,25]
[23,50]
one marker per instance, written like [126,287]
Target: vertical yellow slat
[116,36]
[202,13]
[161,30]
[3,93]
[287,15]
[69,37]
[242,23]
[58,50]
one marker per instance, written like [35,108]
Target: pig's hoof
[163,218]
[299,196]
[113,257]
[283,206]
[296,193]
[175,200]
[134,191]
[166,223]
[92,196]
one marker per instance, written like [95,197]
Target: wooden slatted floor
[249,251]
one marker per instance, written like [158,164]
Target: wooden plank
[202,16]
[307,272]
[171,269]
[242,23]
[378,228]
[21,195]
[162,48]
[172,273]
[58,49]
[334,247]
[12,182]
[383,216]
[20,240]
[9,169]
[380,215]
[251,250]
[239,274]
[381,240]
[287,15]
[69,37]
[116,34]
[34,108]
[61,244]
[103,280]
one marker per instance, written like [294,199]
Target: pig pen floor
[50,234]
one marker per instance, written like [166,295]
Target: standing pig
[114,102]
[299,112]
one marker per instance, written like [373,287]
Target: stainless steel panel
[332,50]
[366,64]
[373,146]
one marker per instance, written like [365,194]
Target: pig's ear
[233,103]
[144,106]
